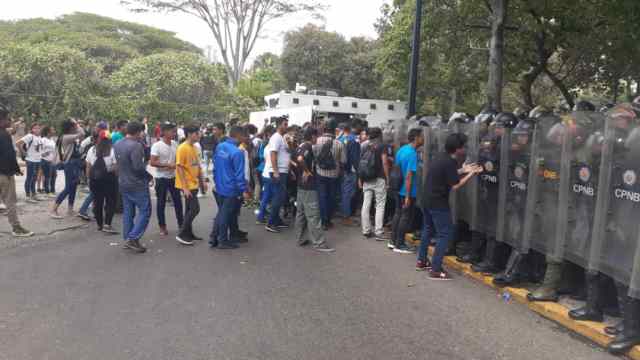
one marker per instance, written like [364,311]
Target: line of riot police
[558,204]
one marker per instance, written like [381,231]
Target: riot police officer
[512,205]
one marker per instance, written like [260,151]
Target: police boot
[548,290]
[475,251]
[487,266]
[630,335]
[511,273]
[592,311]
[615,329]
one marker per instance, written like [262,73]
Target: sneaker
[38,198]
[390,245]
[135,246]
[201,195]
[404,249]
[108,229]
[56,215]
[196,238]
[439,275]
[84,217]
[383,237]
[184,241]
[32,200]
[271,228]
[240,240]
[3,207]
[368,235]
[261,222]
[324,248]
[163,230]
[19,231]
[52,196]
[423,266]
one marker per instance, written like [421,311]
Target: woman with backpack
[101,172]
[68,148]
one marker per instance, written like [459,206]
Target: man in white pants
[375,186]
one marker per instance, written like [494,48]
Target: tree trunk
[616,90]
[496,53]
[526,85]
[562,87]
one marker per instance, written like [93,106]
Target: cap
[102,125]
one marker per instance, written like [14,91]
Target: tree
[107,41]
[50,80]
[498,10]
[173,86]
[235,25]
[314,57]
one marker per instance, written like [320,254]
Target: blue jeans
[164,186]
[327,190]
[438,221]
[32,177]
[71,178]
[134,228]
[84,209]
[225,220]
[276,194]
[50,172]
[348,191]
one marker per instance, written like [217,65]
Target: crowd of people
[499,190]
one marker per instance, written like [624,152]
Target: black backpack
[367,169]
[325,160]
[98,169]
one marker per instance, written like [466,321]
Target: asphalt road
[77,297]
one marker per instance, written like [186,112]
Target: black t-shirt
[306,151]
[441,176]
[8,162]
[208,142]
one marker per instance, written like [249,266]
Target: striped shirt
[338,152]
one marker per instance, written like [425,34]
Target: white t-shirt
[109,161]
[34,147]
[277,144]
[49,150]
[166,155]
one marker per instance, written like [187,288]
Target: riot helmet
[584,105]
[460,118]
[522,133]
[540,111]
[521,113]
[636,106]
[506,120]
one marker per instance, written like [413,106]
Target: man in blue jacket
[231,185]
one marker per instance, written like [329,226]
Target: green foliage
[317,58]
[168,86]
[50,80]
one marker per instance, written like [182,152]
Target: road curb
[550,310]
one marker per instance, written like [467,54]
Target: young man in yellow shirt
[189,179]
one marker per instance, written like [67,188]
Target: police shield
[464,201]
[517,153]
[582,154]
[548,191]
[615,237]
[488,184]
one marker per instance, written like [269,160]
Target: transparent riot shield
[547,192]
[514,224]
[615,237]
[583,154]
[505,174]
[463,201]
[488,188]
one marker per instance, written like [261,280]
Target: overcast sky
[348,17]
